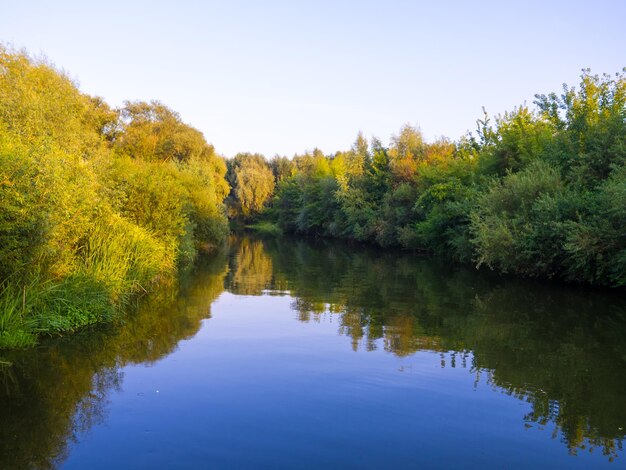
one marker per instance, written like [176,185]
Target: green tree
[153,132]
[589,127]
[252,182]
[406,151]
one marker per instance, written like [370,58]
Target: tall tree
[252,182]
[153,132]
[407,149]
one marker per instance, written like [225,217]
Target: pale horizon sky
[282,77]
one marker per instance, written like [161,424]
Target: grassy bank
[265,228]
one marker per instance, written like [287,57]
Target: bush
[595,243]
[512,226]
[86,218]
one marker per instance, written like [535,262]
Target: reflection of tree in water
[251,267]
[559,349]
[556,347]
[52,395]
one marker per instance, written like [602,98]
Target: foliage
[252,184]
[537,192]
[589,126]
[95,203]
[595,242]
[266,228]
[153,132]
[513,226]
[98,203]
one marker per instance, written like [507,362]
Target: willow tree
[252,182]
[153,132]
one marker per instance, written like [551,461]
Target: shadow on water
[557,347]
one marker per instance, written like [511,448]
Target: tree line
[537,192]
[100,203]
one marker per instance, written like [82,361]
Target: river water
[281,353]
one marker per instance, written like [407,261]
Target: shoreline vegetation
[96,204]
[99,204]
[537,193]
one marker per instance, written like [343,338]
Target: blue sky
[286,76]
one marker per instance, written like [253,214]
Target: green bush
[512,226]
[595,243]
[88,215]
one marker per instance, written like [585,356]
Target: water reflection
[557,347]
[53,394]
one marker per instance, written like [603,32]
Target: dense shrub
[512,229]
[538,193]
[87,214]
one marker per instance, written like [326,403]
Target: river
[283,353]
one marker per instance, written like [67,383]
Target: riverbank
[538,192]
[96,204]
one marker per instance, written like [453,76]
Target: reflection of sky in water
[254,386]
[297,354]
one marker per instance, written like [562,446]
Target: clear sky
[286,76]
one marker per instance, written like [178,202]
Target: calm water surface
[292,354]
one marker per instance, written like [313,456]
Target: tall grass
[124,257]
[265,228]
[16,324]
[116,260]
